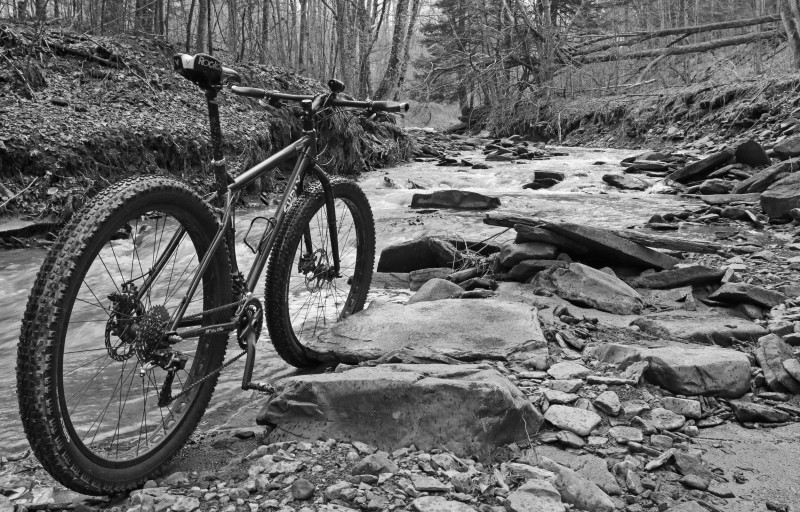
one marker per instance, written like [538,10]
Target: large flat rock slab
[714,326]
[467,330]
[469,409]
[601,242]
[685,369]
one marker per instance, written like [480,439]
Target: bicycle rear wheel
[91,357]
[303,295]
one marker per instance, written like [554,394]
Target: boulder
[535,496]
[702,168]
[787,148]
[390,280]
[586,286]
[436,289]
[577,490]
[781,197]
[748,412]
[545,179]
[468,409]
[625,182]
[689,370]
[760,181]
[750,152]
[771,351]
[678,277]
[573,419]
[416,278]
[604,244]
[407,256]
[464,330]
[456,199]
[716,326]
[715,186]
[738,293]
[527,233]
[511,254]
[526,269]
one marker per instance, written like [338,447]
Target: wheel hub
[317,270]
[152,328]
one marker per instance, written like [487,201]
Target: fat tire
[281,265]
[41,341]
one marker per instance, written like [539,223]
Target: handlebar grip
[251,92]
[390,106]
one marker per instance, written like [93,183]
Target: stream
[581,198]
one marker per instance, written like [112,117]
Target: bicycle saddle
[204,70]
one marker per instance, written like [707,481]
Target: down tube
[288,199]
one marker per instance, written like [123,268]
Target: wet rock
[586,286]
[694,482]
[566,386]
[464,330]
[436,289]
[608,403]
[622,434]
[375,464]
[688,408]
[568,371]
[715,186]
[439,504]
[302,489]
[559,397]
[569,439]
[535,496]
[577,421]
[747,293]
[416,278]
[787,148]
[664,419]
[761,181]
[527,233]
[716,327]
[747,412]
[701,168]
[625,182]
[771,351]
[419,254]
[750,152]
[456,199]
[483,409]
[781,197]
[603,243]
[390,280]
[526,269]
[678,277]
[424,483]
[578,491]
[511,254]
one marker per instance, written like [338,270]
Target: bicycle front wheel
[104,401]
[303,292]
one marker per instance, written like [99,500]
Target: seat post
[217,154]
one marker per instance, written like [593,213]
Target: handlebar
[384,106]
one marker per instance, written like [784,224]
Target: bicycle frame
[305,149]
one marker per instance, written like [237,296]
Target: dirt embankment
[79,112]
[764,109]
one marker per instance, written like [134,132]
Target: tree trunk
[401,75]
[264,32]
[389,80]
[303,42]
[22,9]
[680,50]
[790,25]
[202,15]
[189,27]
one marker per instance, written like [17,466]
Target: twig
[19,193]
[21,75]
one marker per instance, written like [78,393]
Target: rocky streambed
[540,357]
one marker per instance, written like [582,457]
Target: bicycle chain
[207,376]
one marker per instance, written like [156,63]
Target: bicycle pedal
[263,387]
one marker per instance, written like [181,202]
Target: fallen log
[508,221]
[671,243]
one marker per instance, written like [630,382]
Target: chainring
[250,321]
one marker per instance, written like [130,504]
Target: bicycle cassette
[249,323]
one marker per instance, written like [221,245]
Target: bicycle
[149,267]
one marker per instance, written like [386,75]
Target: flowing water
[581,198]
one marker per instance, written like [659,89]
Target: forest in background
[504,56]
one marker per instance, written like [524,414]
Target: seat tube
[218,162]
